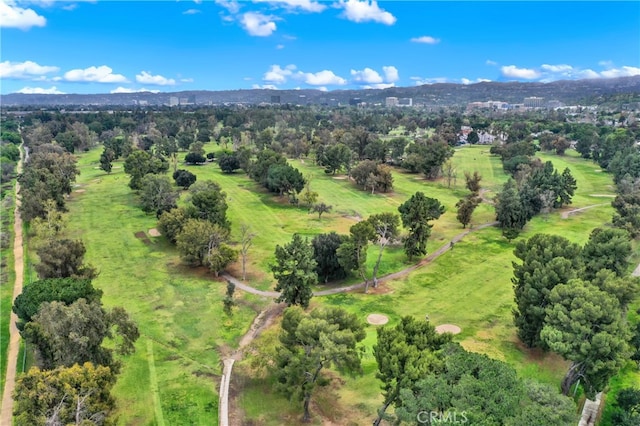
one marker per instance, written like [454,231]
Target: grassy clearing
[178,308]
[469,285]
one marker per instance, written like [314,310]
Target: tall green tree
[547,260]
[295,271]
[198,239]
[405,354]
[466,206]
[157,194]
[352,254]
[62,258]
[416,213]
[141,163]
[207,201]
[586,326]
[64,290]
[64,335]
[607,248]
[325,248]
[510,212]
[78,395]
[311,343]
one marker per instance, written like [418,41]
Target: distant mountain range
[569,92]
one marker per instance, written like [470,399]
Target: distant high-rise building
[391,101]
[533,102]
[405,102]
[173,101]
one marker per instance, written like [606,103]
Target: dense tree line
[573,300]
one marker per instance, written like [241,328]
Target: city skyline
[169,46]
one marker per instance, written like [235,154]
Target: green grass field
[173,377]
[7,279]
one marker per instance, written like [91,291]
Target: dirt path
[226,409]
[565,215]
[430,258]
[228,414]
[6,412]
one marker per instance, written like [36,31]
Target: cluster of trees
[200,228]
[467,205]
[74,338]
[301,263]
[9,152]
[539,191]
[573,300]
[423,372]
[271,170]
[49,173]
[424,375]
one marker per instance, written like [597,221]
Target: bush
[194,158]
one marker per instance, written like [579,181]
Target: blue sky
[126,46]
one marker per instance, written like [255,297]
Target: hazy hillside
[444,94]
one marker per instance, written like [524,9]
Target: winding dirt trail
[430,258]
[565,215]
[227,412]
[6,411]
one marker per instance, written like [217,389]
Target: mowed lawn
[173,376]
[469,286]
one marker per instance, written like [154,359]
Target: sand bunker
[154,232]
[80,190]
[448,328]
[377,319]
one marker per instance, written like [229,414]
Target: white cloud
[40,91]
[426,40]
[606,64]
[514,72]
[280,46]
[563,68]
[191,12]
[588,73]
[101,74]
[373,79]
[321,78]
[365,11]
[13,16]
[186,80]
[421,81]
[305,5]
[390,74]
[367,75]
[232,6]
[24,70]
[257,24]
[129,90]
[466,81]
[277,74]
[624,71]
[379,86]
[146,77]
[490,62]
[264,86]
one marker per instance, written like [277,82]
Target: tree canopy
[295,271]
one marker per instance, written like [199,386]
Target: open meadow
[173,377]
